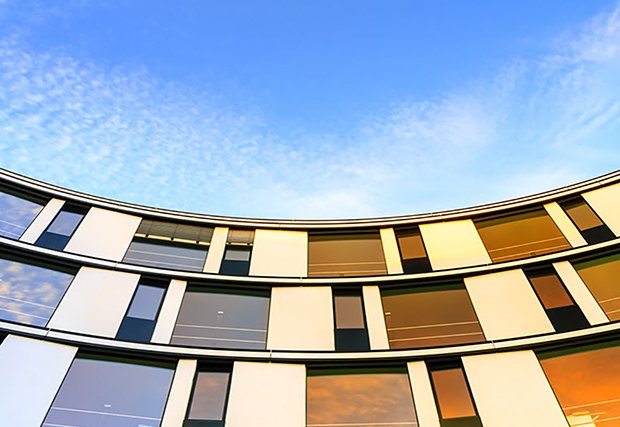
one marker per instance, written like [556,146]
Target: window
[168,245]
[601,277]
[222,320]
[237,254]
[351,333]
[29,293]
[58,233]
[453,397]
[412,251]
[333,255]
[587,221]
[586,382]
[369,398]
[17,211]
[430,316]
[520,235]
[564,314]
[207,406]
[139,322]
[106,392]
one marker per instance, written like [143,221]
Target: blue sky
[315,109]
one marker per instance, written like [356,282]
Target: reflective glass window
[17,212]
[333,255]
[139,322]
[351,333]
[30,293]
[586,382]
[107,393]
[364,398]
[208,403]
[602,276]
[58,233]
[521,235]
[412,251]
[430,316]
[238,252]
[453,398]
[587,221]
[223,320]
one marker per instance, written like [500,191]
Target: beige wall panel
[375,320]
[565,225]
[580,293]
[104,234]
[32,372]
[267,395]
[42,221]
[216,250]
[390,251]
[178,399]
[511,390]
[423,397]
[95,302]
[169,312]
[453,244]
[279,253]
[606,202]
[507,306]
[301,319]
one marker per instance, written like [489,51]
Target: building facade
[118,315]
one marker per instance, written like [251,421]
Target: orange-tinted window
[602,277]
[412,251]
[349,312]
[360,399]
[550,290]
[582,215]
[430,316]
[209,396]
[334,255]
[587,385]
[453,396]
[521,236]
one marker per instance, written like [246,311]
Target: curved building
[118,315]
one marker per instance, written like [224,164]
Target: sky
[310,110]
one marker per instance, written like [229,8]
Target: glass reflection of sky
[382,399]
[16,214]
[587,385]
[30,294]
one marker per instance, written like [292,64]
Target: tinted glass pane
[349,312]
[65,223]
[452,394]
[411,245]
[602,277]
[550,290]
[521,236]
[167,230]
[145,303]
[429,318]
[237,254]
[110,394]
[345,255]
[16,214]
[222,320]
[240,236]
[582,215]
[163,255]
[587,386]
[30,294]
[360,400]
[209,396]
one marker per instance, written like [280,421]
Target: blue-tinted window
[16,213]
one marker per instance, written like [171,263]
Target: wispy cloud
[118,132]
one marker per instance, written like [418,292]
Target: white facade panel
[169,312]
[267,395]
[301,319]
[375,319]
[216,250]
[32,372]
[566,226]
[423,397]
[280,253]
[180,391]
[104,234]
[95,303]
[606,203]
[390,251]
[511,390]
[453,244]
[507,306]
[42,221]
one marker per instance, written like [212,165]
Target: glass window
[333,255]
[360,398]
[29,293]
[222,320]
[57,235]
[586,382]
[521,235]
[601,276]
[351,333]
[208,402]
[412,251]
[456,406]
[430,316]
[587,221]
[238,252]
[110,393]
[167,245]
[139,322]
[17,212]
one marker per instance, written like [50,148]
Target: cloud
[118,132]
